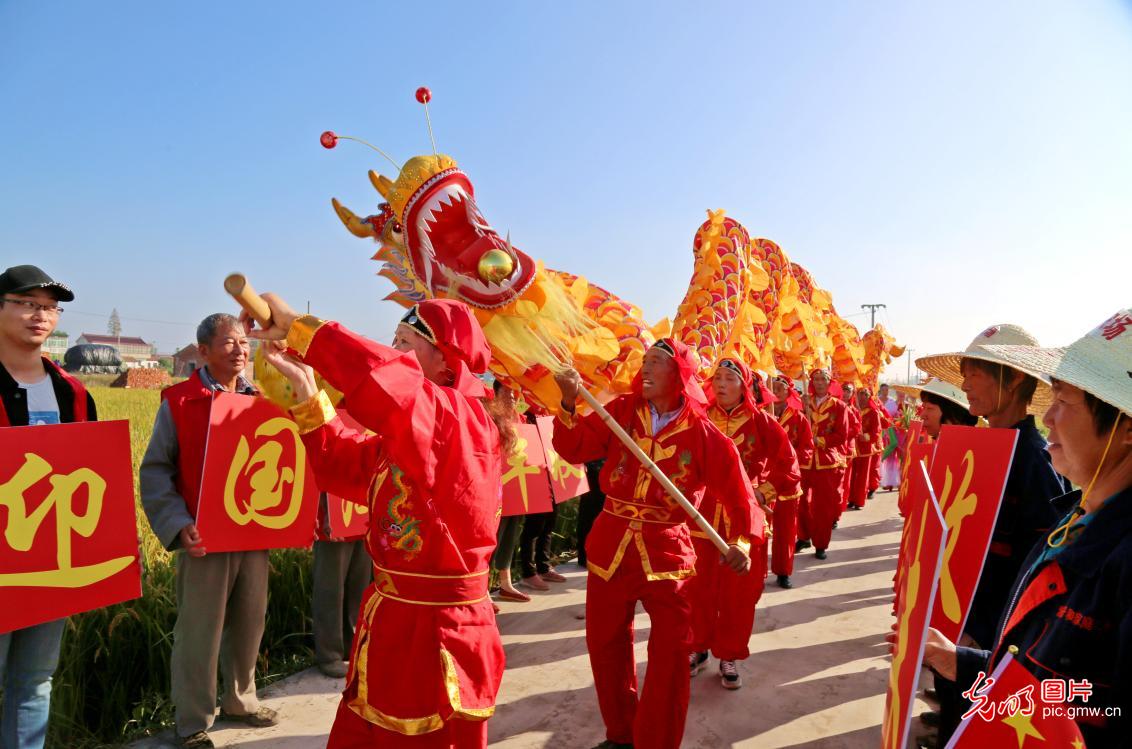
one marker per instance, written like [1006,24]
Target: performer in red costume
[427,659]
[848,397]
[639,548]
[788,511]
[823,475]
[867,448]
[723,603]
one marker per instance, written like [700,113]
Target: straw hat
[1100,363]
[944,390]
[946,366]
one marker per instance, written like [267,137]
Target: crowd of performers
[772,467]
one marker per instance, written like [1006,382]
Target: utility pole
[872,308]
[909,352]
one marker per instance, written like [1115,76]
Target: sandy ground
[816,676]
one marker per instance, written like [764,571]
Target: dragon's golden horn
[355,225]
[382,184]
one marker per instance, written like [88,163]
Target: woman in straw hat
[1070,609]
[942,404]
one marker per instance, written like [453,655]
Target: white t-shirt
[43,408]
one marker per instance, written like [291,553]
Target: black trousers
[534,543]
[590,505]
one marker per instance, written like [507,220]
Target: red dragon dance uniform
[825,470]
[640,549]
[723,603]
[427,659]
[850,454]
[789,516]
[867,456]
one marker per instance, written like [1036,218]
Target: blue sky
[965,163]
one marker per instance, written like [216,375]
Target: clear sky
[965,163]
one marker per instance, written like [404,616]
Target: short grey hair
[213,324]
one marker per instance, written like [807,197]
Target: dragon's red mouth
[447,236]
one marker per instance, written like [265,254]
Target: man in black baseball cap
[22,278]
[34,393]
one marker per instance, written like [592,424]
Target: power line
[72,311]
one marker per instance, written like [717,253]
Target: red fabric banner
[566,479]
[257,490]
[1011,706]
[968,475]
[916,594]
[70,534]
[526,484]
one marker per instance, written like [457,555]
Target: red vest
[189,404]
[77,390]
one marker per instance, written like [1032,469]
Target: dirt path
[816,676]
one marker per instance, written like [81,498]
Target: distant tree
[114,327]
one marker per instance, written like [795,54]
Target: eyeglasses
[33,307]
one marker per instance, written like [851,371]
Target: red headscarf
[750,381]
[792,400]
[687,366]
[452,328]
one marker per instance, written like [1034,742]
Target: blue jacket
[1071,618]
[1024,517]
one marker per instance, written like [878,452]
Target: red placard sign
[257,490]
[70,534]
[347,519]
[916,594]
[566,479]
[526,487]
[968,475]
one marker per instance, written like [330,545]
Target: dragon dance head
[451,248]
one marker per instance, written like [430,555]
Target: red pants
[723,603]
[846,481]
[803,514]
[785,523]
[859,483]
[351,731]
[825,501]
[874,473]
[656,719]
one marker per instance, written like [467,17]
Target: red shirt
[639,516]
[830,423]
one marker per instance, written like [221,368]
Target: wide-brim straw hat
[1100,363]
[944,390]
[946,366]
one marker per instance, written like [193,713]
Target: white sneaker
[729,675]
[697,662]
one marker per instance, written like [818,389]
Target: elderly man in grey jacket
[221,597]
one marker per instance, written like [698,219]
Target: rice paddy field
[112,684]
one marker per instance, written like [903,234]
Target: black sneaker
[870,494]
[729,675]
[930,718]
[819,554]
[784,582]
[697,662]
[834,525]
[802,545]
[855,507]
[607,744]
[198,740]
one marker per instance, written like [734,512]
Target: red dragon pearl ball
[328,139]
[424,96]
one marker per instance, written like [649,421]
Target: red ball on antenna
[328,139]
[424,96]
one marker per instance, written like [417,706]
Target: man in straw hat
[788,514]
[723,603]
[1070,608]
[1007,398]
[427,659]
[825,472]
[639,548]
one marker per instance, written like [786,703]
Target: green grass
[112,684]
